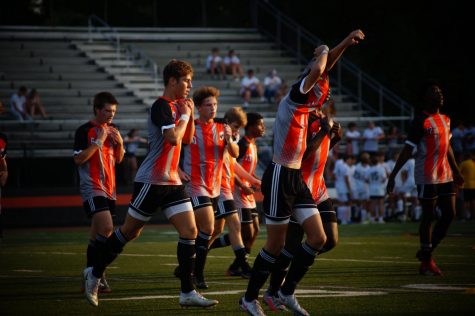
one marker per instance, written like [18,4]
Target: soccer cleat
[252,308]
[291,302]
[104,286]
[233,272]
[429,268]
[195,299]
[273,302]
[200,282]
[91,286]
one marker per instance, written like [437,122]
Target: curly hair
[176,69]
[203,93]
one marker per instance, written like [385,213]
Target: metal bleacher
[69,65]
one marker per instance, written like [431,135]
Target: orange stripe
[65,201]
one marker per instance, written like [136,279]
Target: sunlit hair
[176,69]
[236,114]
[204,92]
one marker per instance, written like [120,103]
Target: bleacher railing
[349,79]
[107,32]
[132,52]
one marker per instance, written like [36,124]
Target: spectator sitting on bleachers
[281,92]
[34,106]
[215,64]
[17,105]
[272,84]
[232,64]
[251,87]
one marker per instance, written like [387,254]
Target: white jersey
[377,178]
[341,171]
[370,138]
[406,186]
[355,142]
[360,179]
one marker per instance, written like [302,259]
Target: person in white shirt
[343,188]
[371,136]
[215,64]
[406,189]
[377,178]
[232,64]
[18,105]
[361,190]
[251,87]
[272,84]
[353,137]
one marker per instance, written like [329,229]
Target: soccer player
[98,146]
[203,164]
[284,189]
[377,177]
[227,210]
[323,133]
[436,173]
[3,174]
[244,191]
[157,185]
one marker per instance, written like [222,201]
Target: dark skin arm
[458,179]
[404,156]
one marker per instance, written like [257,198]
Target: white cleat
[291,302]
[252,308]
[91,286]
[195,299]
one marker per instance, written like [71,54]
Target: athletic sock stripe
[266,256]
[286,253]
[186,241]
[120,236]
[204,235]
[308,249]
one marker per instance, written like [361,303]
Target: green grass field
[373,271]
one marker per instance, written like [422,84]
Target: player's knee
[317,240]
[331,243]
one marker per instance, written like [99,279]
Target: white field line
[227,257]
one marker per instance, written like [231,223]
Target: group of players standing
[295,197]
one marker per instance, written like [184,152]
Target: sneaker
[195,299]
[200,282]
[273,302]
[429,268]
[104,286]
[291,302]
[91,286]
[252,308]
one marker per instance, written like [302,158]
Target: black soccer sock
[260,272]
[201,246]
[222,241]
[441,228]
[303,259]
[91,253]
[280,271]
[186,256]
[241,255]
[107,251]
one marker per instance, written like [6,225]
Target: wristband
[184,117]
[98,143]
[325,51]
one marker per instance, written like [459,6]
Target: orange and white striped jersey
[203,159]
[291,122]
[248,160]
[430,134]
[227,176]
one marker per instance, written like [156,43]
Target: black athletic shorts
[433,191]
[284,191]
[224,209]
[98,204]
[148,198]
[202,201]
[246,215]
